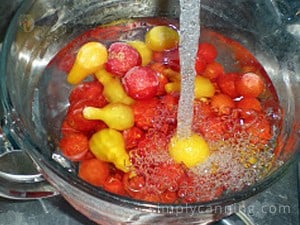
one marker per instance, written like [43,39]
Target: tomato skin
[167,176]
[74,146]
[66,128]
[144,112]
[141,82]
[250,85]
[76,120]
[94,171]
[222,103]
[259,129]
[87,90]
[249,107]
[121,58]
[114,185]
[227,84]
[200,65]
[213,71]
[168,197]
[132,136]
[135,186]
[207,51]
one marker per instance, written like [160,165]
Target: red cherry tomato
[141,82]
[144,111]
[93,171]
[207,51]
[168,197]
[66,128]
[213,129]
[250,103]
[76,120]
[88,90]
[249,107]
[227,84]
[200,65]
[121,58]
[167,176]
[134,186]
[260,130]
[250,85]
[222,103]
[114,185]
[132,136]
[213,71]
[74,146]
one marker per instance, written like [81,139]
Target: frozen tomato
[249,107]
[144,112]
[207,51]
[74,146]
[227,84]
[250,85]
[163,80]
[170,102]
[200,65]
[167,176]
[168,197]
[222,103]
[132,136]
[259,130]
[114,185]
[250,103]
[213,71]
[75,117]
[121,58]
[66,128]
[141,82]
[134,186]
[88,90]
[94,171]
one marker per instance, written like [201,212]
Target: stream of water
[188,46]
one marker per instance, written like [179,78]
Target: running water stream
[188,46]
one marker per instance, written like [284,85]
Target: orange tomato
[227,84]
[250,85]
[249,103]
[74,146]
[222,103]
[213,71]
[94,171]
[207,51]
[114,185]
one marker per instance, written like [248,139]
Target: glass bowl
[35,104]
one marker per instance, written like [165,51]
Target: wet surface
[279,204]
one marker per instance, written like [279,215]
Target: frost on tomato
[121,58]
[88,90]
[250,85]
[144,112]
[141,82]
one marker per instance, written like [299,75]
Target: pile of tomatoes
[150,78]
